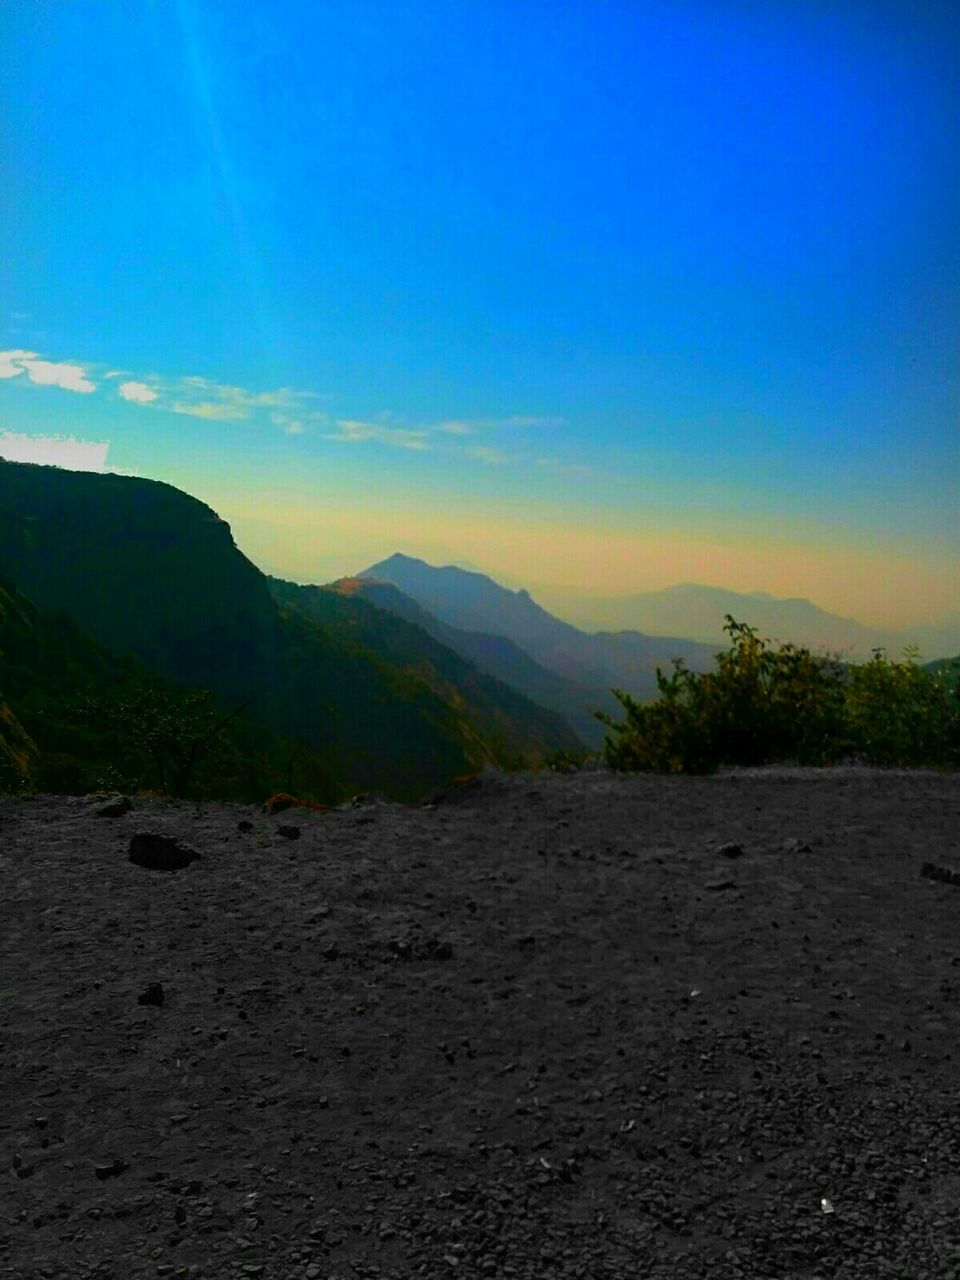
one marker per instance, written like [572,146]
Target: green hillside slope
[151,572]
[504,716]
[498,656]
[78,718]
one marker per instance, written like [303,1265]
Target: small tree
[759,705]
[762,705]
[177,729]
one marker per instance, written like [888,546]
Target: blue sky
[603,295]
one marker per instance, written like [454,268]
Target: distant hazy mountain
[474,602]
[698,612]
[495,654]
[147,570]
[502,713]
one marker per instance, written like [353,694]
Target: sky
[597,296]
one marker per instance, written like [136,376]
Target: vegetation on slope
[498,656]
[79,718]
[137,568]
[764,705]
[516,726]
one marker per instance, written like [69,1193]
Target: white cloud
[565,468]
[203,398]
[524,420]
[11,362]
[56,451]
[457,427]
[297,426]
[398,437]
[45,373]
[137,392]
[472,426]
[214,410]
[49,373]
[487,453]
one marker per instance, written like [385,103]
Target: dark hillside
[498,655]
[505,716]
[69,698]
[18,751]
[140,567]
[151,572]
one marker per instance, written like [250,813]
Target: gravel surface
[549,1026]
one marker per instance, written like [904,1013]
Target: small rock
[794,845]
[290,833]
[152,994]
[944,874]
[717,886]
[115,808]
[244,825]
[160,853]
[729,850]
[111,1170]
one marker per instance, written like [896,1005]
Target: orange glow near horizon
[323,542]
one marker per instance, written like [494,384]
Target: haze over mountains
[697,611]
[692,611]
[590,665]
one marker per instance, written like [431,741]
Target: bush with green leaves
[178,730]
[763,705]
[900,713]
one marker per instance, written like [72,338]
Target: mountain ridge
[593,662]
[496,654]
[147,570]
[697,610]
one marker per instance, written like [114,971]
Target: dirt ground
[545,1028]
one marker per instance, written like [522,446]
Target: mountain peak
[399,558]
[469,599]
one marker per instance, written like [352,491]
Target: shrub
[180,731]
[762,705]
[902,714]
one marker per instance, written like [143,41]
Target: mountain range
[589,665]
[142,569]
[698,611]
[395,680]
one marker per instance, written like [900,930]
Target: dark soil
[546,1028]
